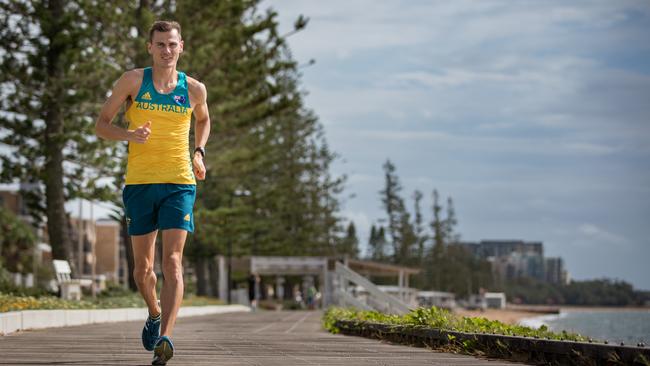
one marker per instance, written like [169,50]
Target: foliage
[264,141]
[349,245]
[125,300]
[602,292]
[444,265]
[17,241]
[56,62]
[377,243]
[400,228]
[440,319]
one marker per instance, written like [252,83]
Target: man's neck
[164,76]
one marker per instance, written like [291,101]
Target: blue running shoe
[151,332]
[163,351]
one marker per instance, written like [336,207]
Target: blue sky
[532,115]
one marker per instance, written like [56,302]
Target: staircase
[344,284]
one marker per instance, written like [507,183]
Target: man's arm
[201,125]
[104,127]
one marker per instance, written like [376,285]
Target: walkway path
[262,338]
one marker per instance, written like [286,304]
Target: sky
[532,115]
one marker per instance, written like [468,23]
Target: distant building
[518,265]
[495,300]
[446,300]
[512,259]
[555,272]
[111,259]
[106,235]
[12,200]
[503,248]
[107,249]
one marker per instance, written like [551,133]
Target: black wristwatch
[200,150]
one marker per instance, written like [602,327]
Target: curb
[40,319]
[538,351]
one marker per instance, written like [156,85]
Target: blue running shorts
[151,207]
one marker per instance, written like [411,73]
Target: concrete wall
[38,319]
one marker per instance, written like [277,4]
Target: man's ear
[149,48]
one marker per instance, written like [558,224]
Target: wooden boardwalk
[262,338]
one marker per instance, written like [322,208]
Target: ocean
[615,326]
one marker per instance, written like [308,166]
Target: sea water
[629,327]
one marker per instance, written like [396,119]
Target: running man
[160,185]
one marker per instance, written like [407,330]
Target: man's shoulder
[134,75]
[195,87]
[193,83]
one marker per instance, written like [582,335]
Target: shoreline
[518,314]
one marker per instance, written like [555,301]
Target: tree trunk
[213,275]
[128,250]
[199,267]
[57,221]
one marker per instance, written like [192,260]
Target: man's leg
[171,294]
[145,277]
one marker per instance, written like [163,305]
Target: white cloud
[532,115]
[597,234]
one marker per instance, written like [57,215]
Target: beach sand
[513,314]
[508,316]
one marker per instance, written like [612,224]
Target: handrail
[349,300]
[394,304]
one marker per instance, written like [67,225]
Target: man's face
[165,47]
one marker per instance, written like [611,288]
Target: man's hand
[141,134]
[199,167]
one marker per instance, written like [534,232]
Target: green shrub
[440,319]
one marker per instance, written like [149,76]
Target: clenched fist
[141,134]
[199,167]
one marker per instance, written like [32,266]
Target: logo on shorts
[187,217]
[146,96]
[128,221]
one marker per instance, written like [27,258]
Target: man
[160,185]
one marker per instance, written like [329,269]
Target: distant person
[311,297]
[254,290]
[297,296]
[160,186]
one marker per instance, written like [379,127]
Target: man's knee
[141,274]
[173,268]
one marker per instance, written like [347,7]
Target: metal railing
[375,299]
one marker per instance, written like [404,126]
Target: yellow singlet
[165,157]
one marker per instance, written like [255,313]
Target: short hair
[164,26]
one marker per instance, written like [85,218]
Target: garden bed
[133,300]
[440,330]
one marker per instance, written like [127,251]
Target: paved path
[263,338]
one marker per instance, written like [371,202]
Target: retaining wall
[38,319]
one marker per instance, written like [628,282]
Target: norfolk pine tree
[263,140]
[56,63]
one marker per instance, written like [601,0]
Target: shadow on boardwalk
[263,338]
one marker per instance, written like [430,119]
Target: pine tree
[263,139]
[450,223]
[436,256]
[350,243]
[394,206]
[418,228]
[372,242]
[382,242]
[56,63]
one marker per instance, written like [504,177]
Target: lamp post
[236,193]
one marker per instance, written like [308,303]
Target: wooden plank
[261,338]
